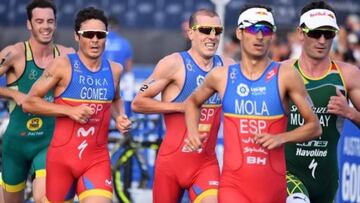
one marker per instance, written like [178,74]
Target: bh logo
[242,90]
[199,80]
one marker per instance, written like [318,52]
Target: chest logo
[242,90]
[199,80]
[33,75]
[34,124]
[189,66]
[312,167]
[84,133]
[271,74]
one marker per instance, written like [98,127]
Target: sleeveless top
[176,131]
[26,125]
[317,158]
[94,89]
[252,107]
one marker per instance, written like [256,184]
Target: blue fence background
[349,164]
[165,14]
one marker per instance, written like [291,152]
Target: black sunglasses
[100,34]
[208,29]
[316,34]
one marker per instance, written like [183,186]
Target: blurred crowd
[346,45]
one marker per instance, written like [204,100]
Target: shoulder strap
[28,52]
[56,51]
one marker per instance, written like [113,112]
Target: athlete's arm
[212,83]
[338,104]
[51,78]
[228,61]
[8,57]
[294,88]
[123,124]
[162,76]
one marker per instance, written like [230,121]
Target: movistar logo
[84,133]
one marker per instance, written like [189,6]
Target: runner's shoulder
[65,50]
[288,63]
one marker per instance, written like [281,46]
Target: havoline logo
[34,124]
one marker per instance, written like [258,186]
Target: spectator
[118,49]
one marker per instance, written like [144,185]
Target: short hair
[248,6]
[205,12]
[87,14]
[39,4]
[315,5]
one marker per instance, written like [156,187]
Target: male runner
[176,76]
[312,166]
[27,136]
[86,94]
[254,97]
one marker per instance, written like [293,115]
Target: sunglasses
[255,28]
[316,34]
[208,29]
[100,34]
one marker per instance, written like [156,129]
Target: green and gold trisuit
[27,136]
[314,163]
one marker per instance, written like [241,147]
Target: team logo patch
[189,66]
[261,90]
[213,183]
[108,182]
[77,66]
[262,13]
[34,124]
[49,98]
[271,74]
[33,75]
[242,90]
[233,74]
[84,133]
[199,80]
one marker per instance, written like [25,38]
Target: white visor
[254,15]
[316,18]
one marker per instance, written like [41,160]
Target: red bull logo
[331,15]
[324,13]
[262,13]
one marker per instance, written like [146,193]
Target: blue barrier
[349,164]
